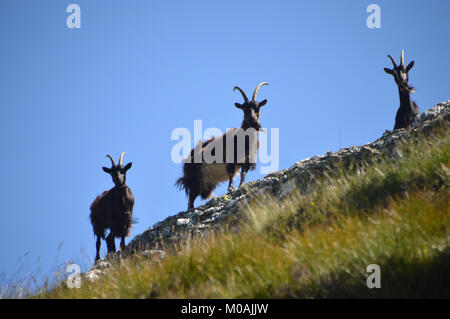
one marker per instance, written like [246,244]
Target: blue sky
[136,70]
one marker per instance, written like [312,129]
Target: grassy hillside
[394,213]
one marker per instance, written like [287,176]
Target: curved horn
[121,158]
[242,92]
[112,160]
[257,89]
[392,60]
[402,58]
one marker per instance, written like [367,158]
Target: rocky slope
[302,174]
[226,209]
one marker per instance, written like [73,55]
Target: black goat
[113,209]
[408,110]
[233,151]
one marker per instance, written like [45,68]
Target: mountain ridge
[225,212]
[303,175]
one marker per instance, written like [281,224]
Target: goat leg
[110,242]
[97,246]
[230,186]
[122,244]
[192,197]
[231,172]
[243,173]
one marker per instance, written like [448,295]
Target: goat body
[408,110]
[113,210]
[220,158]
[201,178]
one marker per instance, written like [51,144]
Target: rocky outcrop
[226,209]
[303,175]
[103,265]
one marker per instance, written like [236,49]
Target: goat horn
[112,160]
[393,61]
[257,89]
[242,92]
[402,58]
[121,158]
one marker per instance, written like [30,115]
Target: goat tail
[97,227]
[180,184]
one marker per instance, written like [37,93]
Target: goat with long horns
[113,209]
[220,158]
[408,109]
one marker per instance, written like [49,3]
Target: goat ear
[107,170]
[410,65]
[262,103]
[388,71]
[128,166]
[239,106]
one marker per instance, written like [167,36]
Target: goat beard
[407,88]
[255,126]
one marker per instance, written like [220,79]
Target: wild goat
[408,109]
[220,158]
[113,209]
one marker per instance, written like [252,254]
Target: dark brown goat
[220,158]
[408,110]
[113,209]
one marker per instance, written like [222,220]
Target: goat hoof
[231,189]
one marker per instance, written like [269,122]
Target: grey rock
[183,221]
[102,264]
[92,275]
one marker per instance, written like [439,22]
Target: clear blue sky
[136,70]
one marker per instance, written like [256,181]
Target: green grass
[393,213]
